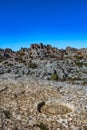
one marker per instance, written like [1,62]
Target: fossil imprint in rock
[54,108]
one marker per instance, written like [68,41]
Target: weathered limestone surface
[26,103]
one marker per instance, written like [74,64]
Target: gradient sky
[56,22]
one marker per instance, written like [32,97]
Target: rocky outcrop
[43,61]
[44,51]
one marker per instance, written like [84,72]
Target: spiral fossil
[55,109]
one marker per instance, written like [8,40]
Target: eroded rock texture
[62,106]
[43,88]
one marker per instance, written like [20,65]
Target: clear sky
[56,22]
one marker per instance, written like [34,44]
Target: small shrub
[10,64]
[8,71]
[42,127]
[7,114]
[80,64]
[21,61]
[85,64]
[54,77]
[78,57]
[32,65]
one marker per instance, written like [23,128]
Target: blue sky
[56,22]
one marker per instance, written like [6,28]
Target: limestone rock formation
[43,88]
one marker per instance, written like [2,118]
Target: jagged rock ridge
[45,62]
